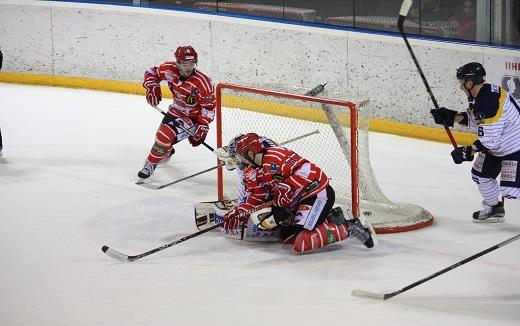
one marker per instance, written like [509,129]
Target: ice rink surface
[67,176]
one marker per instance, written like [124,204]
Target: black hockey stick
[130,258]
[182,127]
[405,7]
[126,258]
[385,296]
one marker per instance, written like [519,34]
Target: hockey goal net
[331,133]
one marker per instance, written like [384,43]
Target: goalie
[302,198]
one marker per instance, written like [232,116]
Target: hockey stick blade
[367,294]
[145,184]
[115,254]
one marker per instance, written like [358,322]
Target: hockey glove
[233,218]
[461,154]
[199,135]
[153,91]
[444,115]
[282,194]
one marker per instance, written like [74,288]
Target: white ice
[67,176]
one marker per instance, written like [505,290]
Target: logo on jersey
[250,174]
[313,185]
[274,167]
[191,99]
[290,161]
[303,210]
[512,85]
[168,75]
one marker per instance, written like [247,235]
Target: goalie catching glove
[199,135]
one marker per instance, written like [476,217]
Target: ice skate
[490,214]
[147,170]
[357,230]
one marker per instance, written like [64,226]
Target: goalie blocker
[267,225]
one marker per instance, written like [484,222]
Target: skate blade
[496,219]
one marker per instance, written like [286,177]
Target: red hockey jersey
[193,97]
[280,164]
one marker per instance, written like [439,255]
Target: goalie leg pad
[324,234]
[250,232]
[210,213]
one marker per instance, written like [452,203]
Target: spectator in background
[431,11]
[464,24]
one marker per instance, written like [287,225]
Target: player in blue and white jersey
[494,115]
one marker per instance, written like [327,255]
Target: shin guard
[324,234]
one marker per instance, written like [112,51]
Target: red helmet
[186,53]
[246,143]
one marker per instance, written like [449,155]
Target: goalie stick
[385,296]
[405,8]
[130,258]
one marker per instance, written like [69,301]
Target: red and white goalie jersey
[280,164]
[193,96]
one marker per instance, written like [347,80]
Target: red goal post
[353,131]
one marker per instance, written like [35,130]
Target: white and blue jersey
[495,117]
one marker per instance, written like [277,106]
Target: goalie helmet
[186,54]
[473,71]
[232,145]
[246,143]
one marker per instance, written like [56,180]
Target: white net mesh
[282,119]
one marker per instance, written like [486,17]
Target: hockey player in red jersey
[193,105]
[301,193]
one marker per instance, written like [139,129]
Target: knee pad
[324,234]
[165,135]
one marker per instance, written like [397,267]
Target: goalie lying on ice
[301,195]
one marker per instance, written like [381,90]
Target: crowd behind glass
[490,21]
